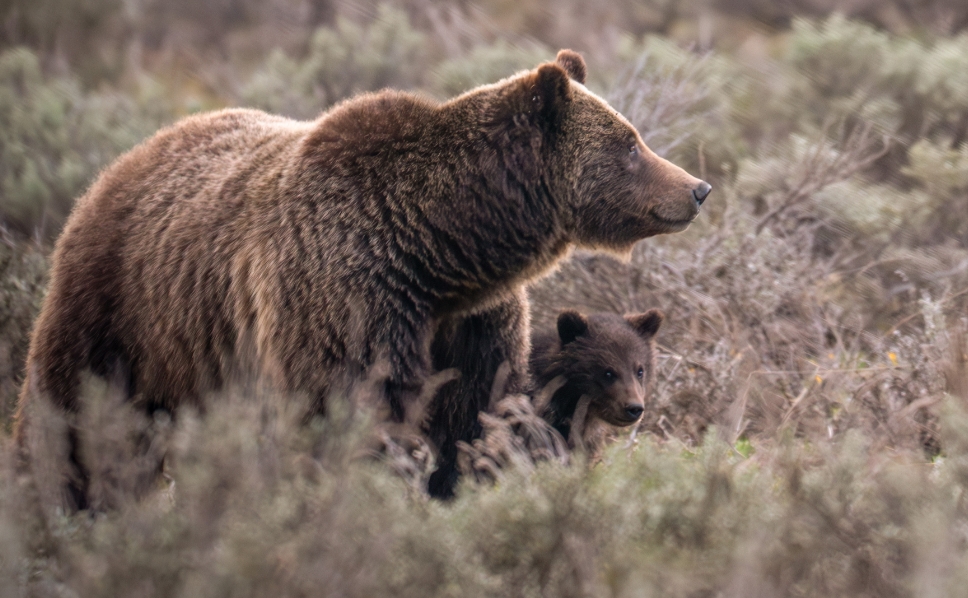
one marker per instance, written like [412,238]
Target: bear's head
[614,189]
[610,359]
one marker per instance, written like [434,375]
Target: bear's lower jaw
[615,419]
[669,225]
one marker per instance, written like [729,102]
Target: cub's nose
[701,192]
[634,411]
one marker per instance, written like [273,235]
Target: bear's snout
[634,411]
[701,192]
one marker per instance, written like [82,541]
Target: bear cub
[607,358]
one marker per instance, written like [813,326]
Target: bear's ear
[573,64]
[571,325]
[526,116]
[646,324]
[550,91]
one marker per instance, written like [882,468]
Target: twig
[820,171]
[578,421]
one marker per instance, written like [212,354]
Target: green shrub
[487,63]
[942,173]
[23,277]
[280,87]
[54,139]
[910,88]
[88,35]
[260,504]
[342,61]
[940,170]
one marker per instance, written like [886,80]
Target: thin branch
[820,169]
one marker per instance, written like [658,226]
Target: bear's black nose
[634,411]
[701,192]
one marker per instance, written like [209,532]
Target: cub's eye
[640,373]
[609,375]
[634,150]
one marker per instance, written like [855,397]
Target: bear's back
[141,266]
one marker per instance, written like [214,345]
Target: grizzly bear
[608,360]
[392,230]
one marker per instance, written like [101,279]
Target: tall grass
[253,503]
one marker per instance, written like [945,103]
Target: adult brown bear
[391,229]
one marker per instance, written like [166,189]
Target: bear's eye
[609,375]
[633,150]
[640,373]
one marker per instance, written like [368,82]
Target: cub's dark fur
[607,358]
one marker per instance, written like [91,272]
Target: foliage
[487,64]
[82,33]
[54,138]
[264,505]
[23,274]
[342,61]
[910,88]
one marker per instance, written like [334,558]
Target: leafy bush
[487,63]
[942,172]
[909,88]
[264,505]
[89,35]
[23,276]
[54,138]
[343,60]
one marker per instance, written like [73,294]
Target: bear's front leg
[476,345]
[401,357]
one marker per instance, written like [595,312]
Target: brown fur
[607,363]
[391,229]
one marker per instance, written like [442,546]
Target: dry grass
[254,503]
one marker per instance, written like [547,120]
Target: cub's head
[614,189]
[611,359]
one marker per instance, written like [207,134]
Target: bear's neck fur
[483,223]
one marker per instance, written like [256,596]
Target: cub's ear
[646,324]
[573,64]
[571,325]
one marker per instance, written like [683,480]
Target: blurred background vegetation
[808,430]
